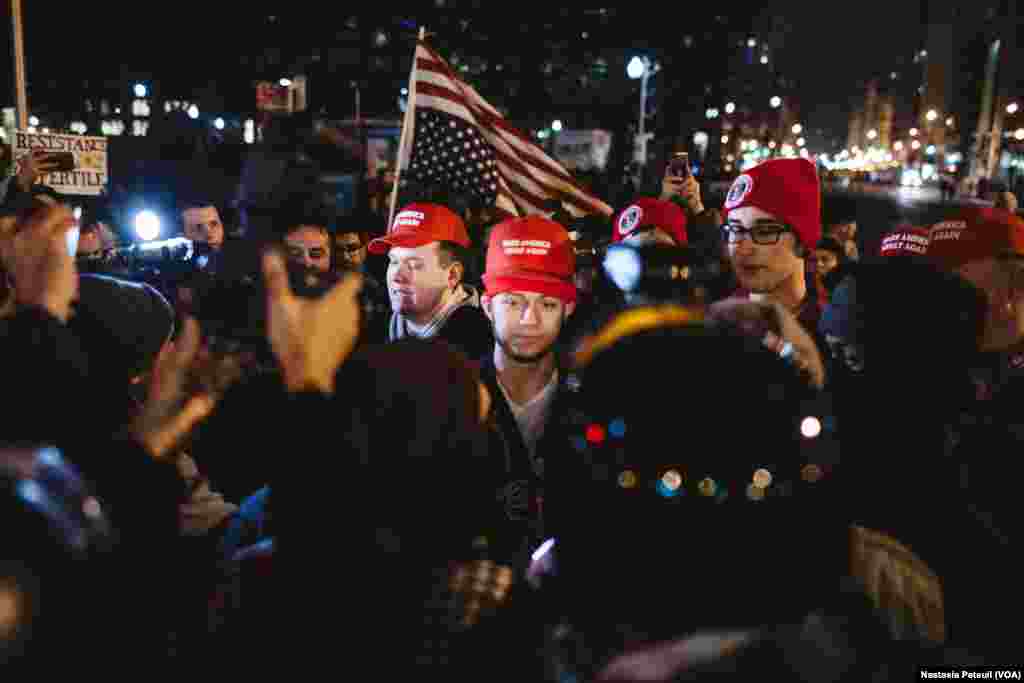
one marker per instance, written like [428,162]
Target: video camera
[140,256]
[657,272]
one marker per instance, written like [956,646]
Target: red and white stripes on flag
[526,177]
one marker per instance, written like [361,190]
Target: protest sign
[89,175]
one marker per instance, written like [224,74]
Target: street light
[636,68]
[642,68]
[764,59]
[193,112]
[932,115]
[730,107]
[1012,108]
[775,102]
[556,125]
[752,42]
[218,123]
[797,129]
[872,134]
[140,90]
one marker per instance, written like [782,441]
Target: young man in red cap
[773,222]
[648,221]
[985,246]
[428,251]
[530,293]
[654,226]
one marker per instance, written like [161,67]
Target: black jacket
[530,489]
[469,330]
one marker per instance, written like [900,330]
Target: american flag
[455,138]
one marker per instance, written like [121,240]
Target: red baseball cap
[420,224]
[647,212]
[976,234]
[905,240]
[786,188]
[532,254]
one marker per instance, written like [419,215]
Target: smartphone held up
[64,162]
[679,165]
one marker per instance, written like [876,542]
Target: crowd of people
[542,448]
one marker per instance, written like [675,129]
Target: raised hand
[171,412]
[686,188]
[33,166]
[779,330]
[311,338]
[34,249]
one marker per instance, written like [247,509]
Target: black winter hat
[121,325]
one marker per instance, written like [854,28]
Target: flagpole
[21,98]
[407,123]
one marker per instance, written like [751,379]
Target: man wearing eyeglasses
[350,249]
[350,253]
[773,222]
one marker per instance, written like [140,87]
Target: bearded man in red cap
[530,293]
[773,222]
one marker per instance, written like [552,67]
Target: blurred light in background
[147,225]
[810,427]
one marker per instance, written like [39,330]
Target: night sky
[832,46]
[836,45]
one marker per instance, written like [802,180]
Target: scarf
[463,296]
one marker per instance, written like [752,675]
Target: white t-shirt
[532,416]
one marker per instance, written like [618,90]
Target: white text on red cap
[413,218]
[948,230]
[906,242]
[532,247]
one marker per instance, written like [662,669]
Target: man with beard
[308,244]
[530,293]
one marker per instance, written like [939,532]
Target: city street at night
[471,342]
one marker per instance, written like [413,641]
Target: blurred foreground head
[693,502]
[53,599]
[417,493]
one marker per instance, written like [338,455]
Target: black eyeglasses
[765,233]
